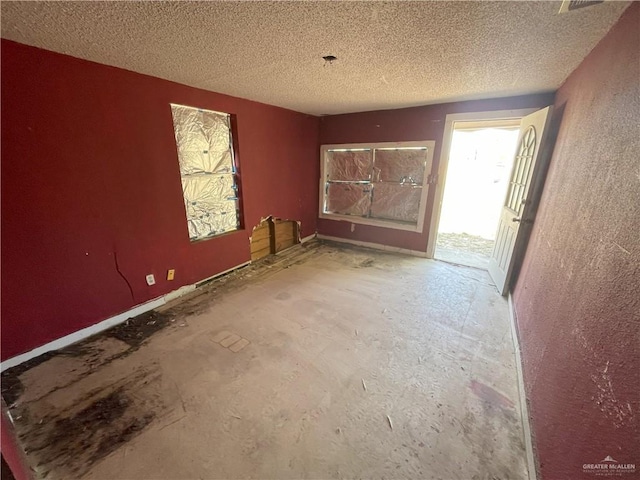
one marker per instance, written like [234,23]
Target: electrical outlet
[151,280]
[171,273]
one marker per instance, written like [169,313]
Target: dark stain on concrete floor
[490,395]
[92,433]
[136,330]
[72,440]
[80,410]
[91,426]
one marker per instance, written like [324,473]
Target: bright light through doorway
[480,162]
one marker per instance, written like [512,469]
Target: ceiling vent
[570,5]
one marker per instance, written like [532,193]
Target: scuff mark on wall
[606,399]
[622,248]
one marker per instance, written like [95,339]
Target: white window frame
[378,222]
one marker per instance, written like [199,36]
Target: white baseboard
[178,293]
[524,407]
[308,237]
[213,277]
[376,246]
[82,334]
[106,324]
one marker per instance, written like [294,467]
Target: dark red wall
[89,170]
[578,295]
[12,452]
[407,124]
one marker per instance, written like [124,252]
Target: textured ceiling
[390,54]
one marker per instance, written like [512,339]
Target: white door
[533,130]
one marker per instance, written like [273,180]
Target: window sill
[211,237]
[374,222]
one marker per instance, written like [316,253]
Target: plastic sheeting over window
[205,155]
[349,165]
[400,165]
[396,202]
[349,199]
[376,183]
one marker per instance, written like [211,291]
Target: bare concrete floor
[462,257]
[464,249]
[359,364]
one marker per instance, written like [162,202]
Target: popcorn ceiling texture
[390,54]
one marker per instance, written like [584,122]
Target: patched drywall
[578,295]
[91,193]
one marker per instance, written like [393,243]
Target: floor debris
[153,402]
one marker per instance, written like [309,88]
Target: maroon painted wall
[12,452]
[89,170]
[407,124]
[577,298]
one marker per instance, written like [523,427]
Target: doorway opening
[480,160]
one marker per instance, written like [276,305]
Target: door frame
[443,163]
